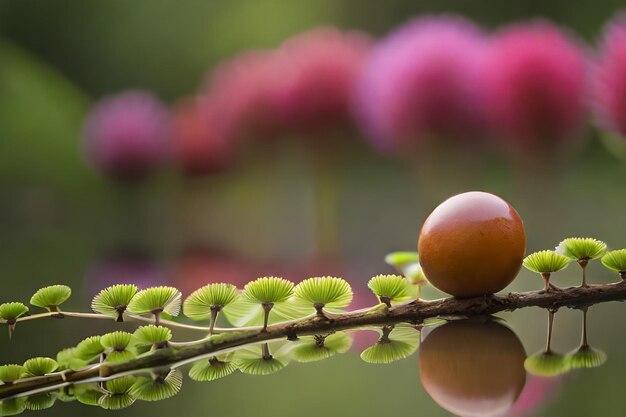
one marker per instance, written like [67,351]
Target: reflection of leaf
[39,401]
[12,407]
[586,357]
[399,343]
[118,395]
[88,394]
[159,387]
[547,364]
[316,348]
[251,360]
[211,369]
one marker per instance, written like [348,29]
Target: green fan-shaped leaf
[88,394]
[244,312]
[114,300]
[156,299]
[67,359]
[151,335]
[12,311]
[39,402]
[89,349]
[116,340]
[250,360]
[329,292]
[211,369]
[581,248]
[268,290]
[546,261]
[393,287]
[159,387]
[12,407]
[120,356]
[51,297]
[198,305]
[547,364]
[40,366]
[400,343]
[399,259]
[407,263]
[614,260]
[317,348]
[11,373]
[586,357]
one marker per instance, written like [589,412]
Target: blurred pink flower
[127,136]
[246,92]
[535,84]
[421,82]
[537,392]
[201,144]
[323,66]
[610,77]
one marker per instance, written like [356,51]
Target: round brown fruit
[471,368]
[472,244]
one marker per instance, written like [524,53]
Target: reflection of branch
[413,312]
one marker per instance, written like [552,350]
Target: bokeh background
[272,210]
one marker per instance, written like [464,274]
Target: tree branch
[414,312]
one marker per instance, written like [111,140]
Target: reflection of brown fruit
[471,368]
[472,244]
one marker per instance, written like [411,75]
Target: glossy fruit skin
[471,368]
[472,244]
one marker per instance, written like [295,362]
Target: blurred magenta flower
[323,66]
[610,77]
[127,136]
[537,393]
[421,83]
[246,92]
[201,144]
[535,84]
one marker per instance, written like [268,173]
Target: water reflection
[469,367]
[473,368]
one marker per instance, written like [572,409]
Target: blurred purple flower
[610,77]
[536,84]
[124,267]
[201,145]
[323,66]
[127,136]
[421,82]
